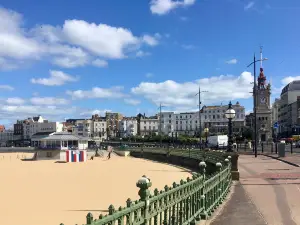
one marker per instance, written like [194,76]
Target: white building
[188,123]
[288,113]
[94,128]
[83,128]
[38,125]
[216,122]
[149,126]
[99,128]
[128,126]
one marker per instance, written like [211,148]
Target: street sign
[276,125]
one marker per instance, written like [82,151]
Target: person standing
[109,152]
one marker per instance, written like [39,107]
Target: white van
[218,141]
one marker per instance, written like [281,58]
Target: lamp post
[230,114]
[120,142]
[206,130]
[255,98]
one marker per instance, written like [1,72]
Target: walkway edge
[222,206]
[282,160]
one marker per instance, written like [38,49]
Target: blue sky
[65,59]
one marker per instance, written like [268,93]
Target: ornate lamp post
[206,130]
[230,114]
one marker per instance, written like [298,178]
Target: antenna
[261,58]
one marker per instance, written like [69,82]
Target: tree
[247,133]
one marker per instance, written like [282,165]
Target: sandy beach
[49,193]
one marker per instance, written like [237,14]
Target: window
[170,121]
[169,116]
[180,122]
[190,116]
[214,116]
[144,127]
[176,122]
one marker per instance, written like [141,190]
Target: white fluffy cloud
[182,95]
[100,63]
[131,101]
[89,113]
[289,79]
[75,43]
[162,7]
[232,61]
[152,41]
[6,87]
[96,92]
[48,101]
[57,78]
[15,101]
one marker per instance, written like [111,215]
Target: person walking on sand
[109,151]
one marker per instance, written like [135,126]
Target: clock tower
[263,107]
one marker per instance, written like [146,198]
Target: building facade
[2,128]
[149,126]
[99,128]
[128,126]
[6,136]
[217,123]
[113,124]
[288,110]
[38,124]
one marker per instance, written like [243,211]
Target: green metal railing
[182,203]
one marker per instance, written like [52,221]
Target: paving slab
[268,193]
[239,210]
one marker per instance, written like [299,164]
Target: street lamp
[230,115]
[255,96]
[206,130]
[143,144]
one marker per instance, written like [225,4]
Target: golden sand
[49,193]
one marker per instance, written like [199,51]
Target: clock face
[263,100]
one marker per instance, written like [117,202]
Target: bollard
[276,147]
[291,147]
[245,146]
[262,147]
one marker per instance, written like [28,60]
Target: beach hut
[55,145]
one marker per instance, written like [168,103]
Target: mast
[261,57]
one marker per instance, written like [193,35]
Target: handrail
[189,201]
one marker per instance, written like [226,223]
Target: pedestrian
[109,152]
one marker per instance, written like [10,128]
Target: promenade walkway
[268,193]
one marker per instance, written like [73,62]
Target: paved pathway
[274,189]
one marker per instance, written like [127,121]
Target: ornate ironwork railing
[183,203]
